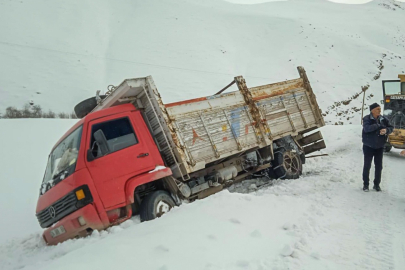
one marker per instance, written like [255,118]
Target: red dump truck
[131,154]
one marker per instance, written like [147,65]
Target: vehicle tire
[155,205]
[287,164]
[271,173]
[387,148]
[86,106]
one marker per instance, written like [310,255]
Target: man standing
[375,131]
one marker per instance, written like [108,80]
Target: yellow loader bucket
[397,138]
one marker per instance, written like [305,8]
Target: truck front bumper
[78,224]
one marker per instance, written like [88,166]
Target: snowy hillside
[57,53]
[25,146]
[321,221]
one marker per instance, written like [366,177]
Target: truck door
[129,155]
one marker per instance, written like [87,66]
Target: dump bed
[193,133]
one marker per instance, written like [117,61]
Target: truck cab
[90,172]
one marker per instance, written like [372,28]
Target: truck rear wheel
[271,173]
[287,164]
[155,205]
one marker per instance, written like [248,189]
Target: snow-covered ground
[321,221]
[25,145]
[58,53]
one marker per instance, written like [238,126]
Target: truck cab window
[62,160]
[118,133]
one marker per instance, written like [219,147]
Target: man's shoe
[376,188]
[365,188]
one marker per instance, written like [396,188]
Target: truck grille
[57,211]
[63,207]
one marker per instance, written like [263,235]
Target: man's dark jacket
[371,131]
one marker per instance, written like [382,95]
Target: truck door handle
[143,155]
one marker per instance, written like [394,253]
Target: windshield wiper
[60,174]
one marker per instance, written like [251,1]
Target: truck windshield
[62,160]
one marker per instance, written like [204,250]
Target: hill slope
[321,221]
[58,53]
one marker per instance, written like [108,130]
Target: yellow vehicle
[394,110]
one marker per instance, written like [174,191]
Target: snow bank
[25,145]
[252,2]
[351,2]
[356,2]
[321,221]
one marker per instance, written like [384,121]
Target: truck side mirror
[102,142]
[90,156]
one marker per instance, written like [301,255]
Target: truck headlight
[81,220]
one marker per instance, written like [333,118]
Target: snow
[158,168]
[25,146]
[58,53]
[321,221]
[252,2]
[354,2]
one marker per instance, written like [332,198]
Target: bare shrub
[26,111]
[49,114]
[63,115]
[12,112]
[34,111]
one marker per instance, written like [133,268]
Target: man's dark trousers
[369,154]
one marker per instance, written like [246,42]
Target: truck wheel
[287,164]
[155,205]
[271,173]
[387,148]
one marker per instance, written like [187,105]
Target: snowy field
[321,221]
[57,53]
[66,50]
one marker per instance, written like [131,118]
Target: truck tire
[287,164]
[271,173]
[155,205]
[86,106]
[387,148]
